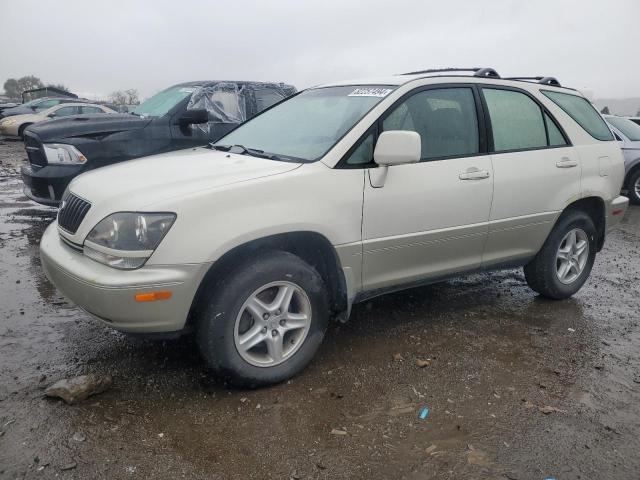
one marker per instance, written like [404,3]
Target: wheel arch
[312,247]
[23,127]
[595,208]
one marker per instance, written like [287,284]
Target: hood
[58,129]
[138,183]
[19,110]
[26,117]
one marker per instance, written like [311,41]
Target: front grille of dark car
[72,212]
[35,151]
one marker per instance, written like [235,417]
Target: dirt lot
[499,354]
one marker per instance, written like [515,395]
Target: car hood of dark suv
[95,125]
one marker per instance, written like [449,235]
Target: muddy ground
[499,354]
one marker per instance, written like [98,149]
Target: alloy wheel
[272,324]
[572,256]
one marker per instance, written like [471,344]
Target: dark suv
[185,115]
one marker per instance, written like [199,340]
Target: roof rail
[542,80]
[477,72]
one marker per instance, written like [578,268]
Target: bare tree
[132,96]
[13,88]
[125,97]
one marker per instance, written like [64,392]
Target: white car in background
[336,195]
[627,133]
[14,126]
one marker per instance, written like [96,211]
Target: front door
[429,219]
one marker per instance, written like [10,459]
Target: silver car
[341,193]
[627,134]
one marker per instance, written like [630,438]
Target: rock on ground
[74,390]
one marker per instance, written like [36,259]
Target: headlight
[127,239]
[7,123]
[62,154]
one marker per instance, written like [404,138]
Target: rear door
[536,173]
[428,219]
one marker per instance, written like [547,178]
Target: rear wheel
[564,263]
[265,322]
[633,187]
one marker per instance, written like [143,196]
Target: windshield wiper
[224,148]
[254,152]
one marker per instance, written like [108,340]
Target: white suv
[338,194]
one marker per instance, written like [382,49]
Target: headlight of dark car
[62,154]
[126,240]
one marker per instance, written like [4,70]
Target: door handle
[474,173]
[566,162]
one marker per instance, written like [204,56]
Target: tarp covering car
[182,116]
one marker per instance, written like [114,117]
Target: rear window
[516,120]
[582,112]
[627,127]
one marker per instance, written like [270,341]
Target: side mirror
[52,115]
[194,116]
[397,147]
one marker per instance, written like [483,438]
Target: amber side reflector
[153,296]
[617,212]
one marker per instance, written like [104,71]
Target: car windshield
[49,110]
[627,127]
[33,103]
[162,102]
[308,125]
[46,104]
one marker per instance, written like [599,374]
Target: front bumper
[9,131]
[108,294]
[616,211]
[47,184]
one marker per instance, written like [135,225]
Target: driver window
[445,118]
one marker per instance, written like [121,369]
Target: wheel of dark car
[264,323]
[563,264]
[633,187]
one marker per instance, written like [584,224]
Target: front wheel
[563,264]
[633,187]
[265,322]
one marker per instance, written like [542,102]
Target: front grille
[35,151]
[77,247]
[72,212]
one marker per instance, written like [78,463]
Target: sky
[97,47]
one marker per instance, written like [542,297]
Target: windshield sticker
[187,90]
[370,92]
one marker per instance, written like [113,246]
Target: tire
[543,273]
[22,128]
[633,187]
[229,316]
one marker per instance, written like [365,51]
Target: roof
[59,91]
[203,83]
[456,73]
